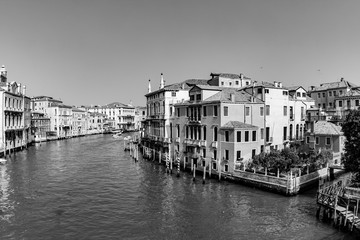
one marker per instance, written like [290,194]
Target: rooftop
[238,125]
[333,85]
[326,128]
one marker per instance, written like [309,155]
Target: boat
[117,135]
[3,161]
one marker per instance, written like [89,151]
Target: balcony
[214,144]
[194,120]
[167,140]
[177,140]
[202,143]
[269,140]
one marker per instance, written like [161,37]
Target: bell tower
[3,74]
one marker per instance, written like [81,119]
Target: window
[237,82]
[285,93]
[254,136]
[222,83]
[192,97]
[298,94]
[348,103]
[230,83]
[317,140]
[215,134]
[238,155]
[307,139]
[304,94]
[330,105]
[238,136]
[253,153]
[266,90]
[340,92]
[285,110]
[204,154]
[173,94]
[226,154]
[330,94]
[261,133]
[215,111]
[198,97]
[259,91]
[247,111]
[204,111]
[215,154]
[267,110]
[334,93]
[177,130]
[246,136]
[356,102]
[226,111]
[187,131]
[323,94]
[204,133]
[226,136]
[214,166]
[328,141]
[340,103]
[178,112]
[226,167]
[285,133]
[319,95]
[261,111]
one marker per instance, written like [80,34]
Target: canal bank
[290,185]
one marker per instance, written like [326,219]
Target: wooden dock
[338,207]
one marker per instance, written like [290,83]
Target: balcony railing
[194,120]
[202,143]
[214,144]
[269,140]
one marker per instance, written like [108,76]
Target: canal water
[89,188]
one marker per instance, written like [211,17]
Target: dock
[338,206]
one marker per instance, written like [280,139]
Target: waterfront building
[40,126]
[60,119]
[218,127]
[79,122]
[15,114]
[96,122]
[140,117]
[119,115]
[284,113]
[159,108]
[326,135]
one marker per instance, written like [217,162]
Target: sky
[95,52]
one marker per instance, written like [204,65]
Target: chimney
[24,90]
[312,88]
[232,97]
[162,82]
[275,84]
[341,79]
[149,87]
[19,89]
[241,76]
[280,84]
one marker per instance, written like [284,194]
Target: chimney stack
[232,97]
[24,90]
[149,87]
[162,82]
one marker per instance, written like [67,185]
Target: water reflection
[6,205]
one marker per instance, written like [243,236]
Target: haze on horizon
[97,52]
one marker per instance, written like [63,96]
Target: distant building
[79,122]
[326,94]
[40,126]
[119,115]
